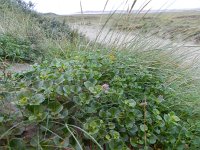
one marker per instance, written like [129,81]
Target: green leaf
[65,113]
[17,144]
[143,127]
[176,118]
[130,103]
[75,89]
[35,141]
[156,112]
[114,112]
[159,118]
[85,98]
[92,90]
[102,113]
[116,145]
[133,142]
[60,80]
[67,90]
[88,135]
[181,147]
[128,123]
[1,119]
[92,127]
[31,118]
[91,110]
[55,107]
[166,117]
[115,134]
[59,90]
[108,137]
[39,84]
[152,139]
[23,101]
[37,99]
[111,125]
[196,141]
[88,84]
[133,130]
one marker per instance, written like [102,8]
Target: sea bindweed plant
[99,100]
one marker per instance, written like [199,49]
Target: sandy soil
[14,68]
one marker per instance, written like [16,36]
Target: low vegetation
[34,38]
[178,26]
[88,96]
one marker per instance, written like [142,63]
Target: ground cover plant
[96,96]
[91,96]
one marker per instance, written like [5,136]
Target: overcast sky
[73,6]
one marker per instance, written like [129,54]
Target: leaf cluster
[99,95]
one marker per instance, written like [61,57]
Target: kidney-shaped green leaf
[37,99]
[55,107]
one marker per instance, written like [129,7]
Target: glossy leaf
[37,99]
[143,127]
[55,107]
